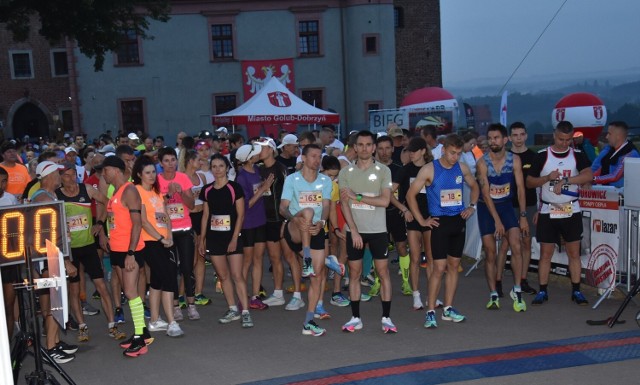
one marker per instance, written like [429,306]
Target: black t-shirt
[289,164]
[221,202]
[526,159]
[405,176]
[397,151]
[540,159]
[272,198]
[395,169]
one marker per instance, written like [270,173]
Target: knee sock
[355,308]
[386,308]
[137,314]
[404,262]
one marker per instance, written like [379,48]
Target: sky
[488,38]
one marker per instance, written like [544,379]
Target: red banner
[255,73]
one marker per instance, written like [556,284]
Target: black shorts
[377,242]
[10,274]
[218,243]
[396,226]
[415,226]
[549,230]
[253,236]
[448,238]
[196,222]
[88,256]
[273,231]
[117,258]
[317,241]
[162,265]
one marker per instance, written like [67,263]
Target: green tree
[96,25]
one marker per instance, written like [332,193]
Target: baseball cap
[416,144]
[8,146]
[395,131]
[246,151]
[289,139]
[201,144]
[133,136]
[223,130]
[267,142]
[577,134]
[70,149]
[68,166]
[47,167]
[205,134]
[112,161]
[107,148]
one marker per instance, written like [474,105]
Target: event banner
[256,73]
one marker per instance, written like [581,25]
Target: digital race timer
[29,226]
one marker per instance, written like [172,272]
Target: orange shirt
[156,214]
[120,223]
[18,179]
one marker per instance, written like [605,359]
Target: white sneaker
[158,325]
[417,302]
[174,330]
[355,323]
[193,313]
[274,301]
[177,313]
[295,304]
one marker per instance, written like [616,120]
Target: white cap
[70,149]
[47,167]
[289,139]
[245,152]
[133,136]
[223,130]
[267,142]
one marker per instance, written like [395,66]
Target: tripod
[632,293]
[30,335]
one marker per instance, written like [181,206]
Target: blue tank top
[444,196]
[501,184]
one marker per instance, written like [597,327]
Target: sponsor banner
[440,114]
[278,119]
[256,73]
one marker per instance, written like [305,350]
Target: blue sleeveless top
[502,184]
[444,195]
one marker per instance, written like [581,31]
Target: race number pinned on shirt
[423,190]
[355,205]
[560,210]
[264,194]
[78,222]
[499,191]
[221,223]
[176,211]
[451,197]
[161,219]
[310,199]
[112,221]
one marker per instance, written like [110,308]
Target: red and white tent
[275,104]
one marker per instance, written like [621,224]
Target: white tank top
[567,167]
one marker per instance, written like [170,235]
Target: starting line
[476,364]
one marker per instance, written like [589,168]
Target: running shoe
[494,302]
[579,298]
[540,298]
[83,333]
[375,288]
[307,268]
[430,321]
[59,356]
[174,330]
[182,302]
[89,310]
[417,302]
[257,304]
[292,288]
[192,312]
[274,301]
[518,304]
[146,337]
[355,323]
[177,313]
[116,334]
[365,297]
[332,263]
[67,348]
[340,300]
[247,322]
[119,315]
[368,280]
[451,314]
[201,300]
[388,326]
[439,304]
[320,313]
[295,304]
[528,289]
[158,325]
[72,324]
[262,294]
[406,288]
[137,347]
[96,295]
[312,329]
[229,317]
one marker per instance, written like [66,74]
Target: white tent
[275,104]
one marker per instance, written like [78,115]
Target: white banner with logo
[600,239]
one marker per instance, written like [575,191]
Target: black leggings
[184,248]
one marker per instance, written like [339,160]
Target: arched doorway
[30,120]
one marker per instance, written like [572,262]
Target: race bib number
[310,199]
[220,223]
[112,221]
[560,210]
[423,190]
[264,194]
[451,197]
[176,211]
[161,220]
[355,205]
[196,192]
[78,222]
[499,191]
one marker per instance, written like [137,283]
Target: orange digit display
[12,216]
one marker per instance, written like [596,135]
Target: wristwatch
[472,205]
[523,214]
[131,252]
[565,180]
[359,197]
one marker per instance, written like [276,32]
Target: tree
[96,26]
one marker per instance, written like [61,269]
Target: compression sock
[404,262]
[137,314]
